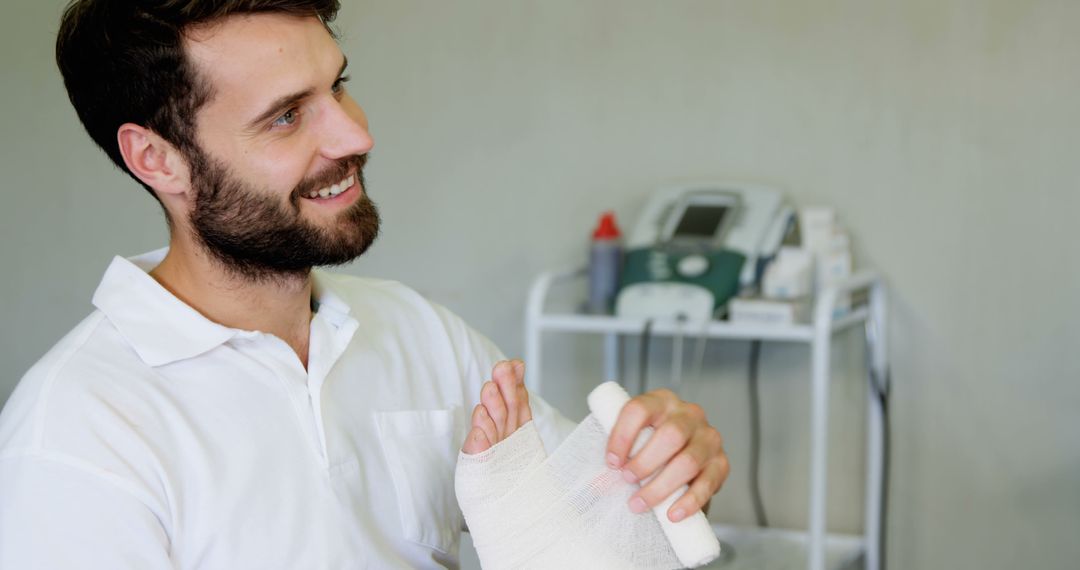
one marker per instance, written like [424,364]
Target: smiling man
[225,405]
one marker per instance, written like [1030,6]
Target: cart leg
[532,356]
[611,357]
[819,450]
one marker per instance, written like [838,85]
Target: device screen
[700,221]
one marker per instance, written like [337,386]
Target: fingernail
[629,476]
[678,515]
[483,411]
[637,505]
[612,460]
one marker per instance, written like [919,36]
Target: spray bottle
[605,265]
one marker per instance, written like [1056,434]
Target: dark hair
[123,61]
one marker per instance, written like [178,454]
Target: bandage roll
[692,538]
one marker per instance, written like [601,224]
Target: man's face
[277,180]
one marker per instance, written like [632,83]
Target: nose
[345,131]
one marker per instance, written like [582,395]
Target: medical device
[695,245]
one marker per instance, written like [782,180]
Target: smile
[334,189]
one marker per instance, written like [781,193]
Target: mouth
[333,189]
[340,191]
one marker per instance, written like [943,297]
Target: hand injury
[528,510]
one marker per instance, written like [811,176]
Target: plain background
[944,132]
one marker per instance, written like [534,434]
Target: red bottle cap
[606,228]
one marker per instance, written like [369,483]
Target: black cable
[755,434]
[643,356]
[881,388]
[882,391]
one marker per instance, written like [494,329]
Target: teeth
[333,190]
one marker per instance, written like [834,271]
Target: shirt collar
[163,329]
[332,327]
[327,303]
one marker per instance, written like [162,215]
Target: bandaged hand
[527,509]
[684,450]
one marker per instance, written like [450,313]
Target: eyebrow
[283,103]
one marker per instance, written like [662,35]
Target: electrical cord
[697,365]
[882,390]
[643,357]
[755,435]
[677,354]
[886,450]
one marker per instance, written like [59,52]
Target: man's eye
[290,117]
[339,85]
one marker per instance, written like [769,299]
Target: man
[225,406]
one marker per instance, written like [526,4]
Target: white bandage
[569,510]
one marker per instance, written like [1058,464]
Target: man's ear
[153,160]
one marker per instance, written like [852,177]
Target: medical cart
[764,548]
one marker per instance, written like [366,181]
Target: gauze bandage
[528,510]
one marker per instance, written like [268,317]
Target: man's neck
[279,306]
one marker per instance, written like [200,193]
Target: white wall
[943,132]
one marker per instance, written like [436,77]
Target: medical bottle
[605,264]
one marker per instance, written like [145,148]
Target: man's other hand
[685,449]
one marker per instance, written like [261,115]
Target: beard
[259,238]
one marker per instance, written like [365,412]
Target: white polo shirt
[150,437]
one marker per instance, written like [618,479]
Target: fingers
[492,400]
[683,450]
[505,379]
[702,464]
[476,442]
[524,410]
[701,489]
[670,438]
[644,410]
[482,420]
[504,402]
[483,433]
[509,376]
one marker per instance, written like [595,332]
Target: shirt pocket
[421,450]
